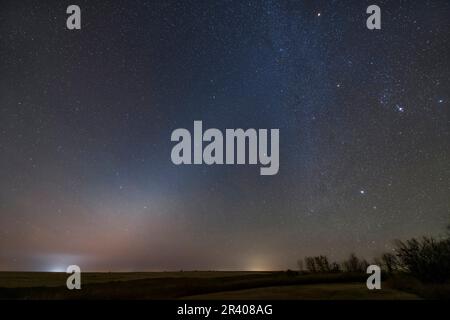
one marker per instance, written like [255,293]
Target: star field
[86,118]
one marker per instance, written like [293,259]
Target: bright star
[400,108]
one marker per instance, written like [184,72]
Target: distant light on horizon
[259,263]
[56,269]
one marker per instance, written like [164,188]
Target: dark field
[196,285]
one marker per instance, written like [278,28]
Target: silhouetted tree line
[427,258]
[322,264]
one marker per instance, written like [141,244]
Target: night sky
[86,116]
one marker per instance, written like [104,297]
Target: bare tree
[300,265]
[335,267]
[322,264]
[428,258]
[389,262]
[310,264]
[354,264]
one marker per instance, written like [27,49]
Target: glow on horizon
[56,269]
[259,263]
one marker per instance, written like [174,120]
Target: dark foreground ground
[209,285]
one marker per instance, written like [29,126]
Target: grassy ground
[56,279]
[197,285]
[330,291]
